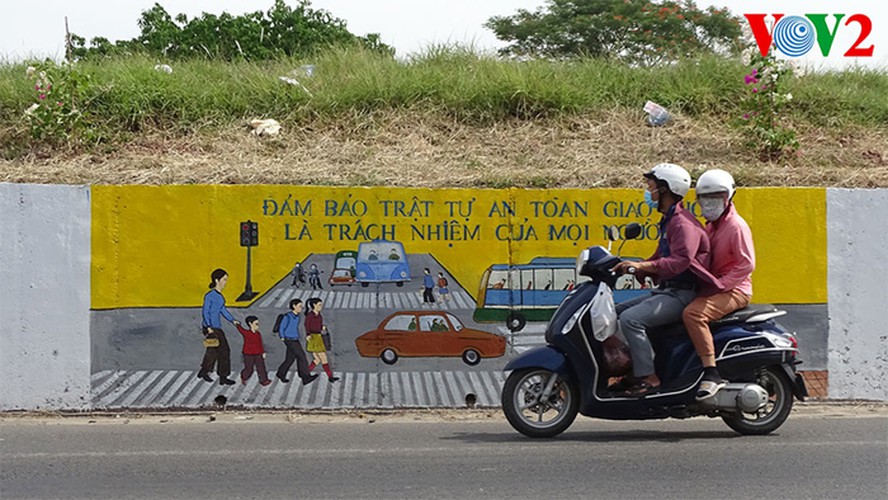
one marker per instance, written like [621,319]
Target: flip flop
[622,385]
[640,389]
[708,388]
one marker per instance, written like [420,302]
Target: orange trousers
[701,311]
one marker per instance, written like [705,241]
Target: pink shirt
[733,255]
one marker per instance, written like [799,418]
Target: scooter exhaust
[747,398]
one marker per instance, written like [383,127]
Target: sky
[28,30]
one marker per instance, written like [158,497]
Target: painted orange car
[428,334]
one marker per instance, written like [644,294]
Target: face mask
[711,209]
[649,200]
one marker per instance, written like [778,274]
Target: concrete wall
[44,297]
[88,323]
[858,293]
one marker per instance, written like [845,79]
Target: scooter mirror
[633,230]
[613,233]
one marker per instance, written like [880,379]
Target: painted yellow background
[155,246]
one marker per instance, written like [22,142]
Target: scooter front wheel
[540,403]
[774,413]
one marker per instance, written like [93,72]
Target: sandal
[640,389]
[622,385]
[708,388]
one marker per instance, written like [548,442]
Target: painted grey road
[808,458]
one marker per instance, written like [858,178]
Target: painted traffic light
[249,234]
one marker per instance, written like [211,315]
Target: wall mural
[329,297]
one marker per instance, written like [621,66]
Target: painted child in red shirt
[254,351]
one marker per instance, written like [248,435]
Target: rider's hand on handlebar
[626,266]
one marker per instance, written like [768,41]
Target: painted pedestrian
[428,287]
[288,331]
[253,351]
[443,291]
[298,275]
[315,330]
[218,352]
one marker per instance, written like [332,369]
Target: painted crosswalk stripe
[106,385]
[441,387]
[337,300]
[197,395]
[173,390]
[120,389]
[157,389]
[492,387]
[272,295]
[360,400]
[422,398]
[113,386]
[305,394]
[273,398]
[180,388]
[485,395]
[98,377]
[406,389]
[373,394]
[412,300]
[394,390]
[467,387]
[335,393]
[431,390]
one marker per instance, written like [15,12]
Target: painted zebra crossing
[529,337]
[182,389]
[336,299]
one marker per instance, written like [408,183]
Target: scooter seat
[743,315]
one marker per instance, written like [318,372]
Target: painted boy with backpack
[287,327]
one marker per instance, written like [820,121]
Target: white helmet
[715,181]
[677,178]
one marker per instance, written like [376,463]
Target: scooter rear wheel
[775,411]
[532,415]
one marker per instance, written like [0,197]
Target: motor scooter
[549,384]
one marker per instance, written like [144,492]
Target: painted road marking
[413,389]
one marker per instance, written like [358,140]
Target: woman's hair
[217,275]
[311,303]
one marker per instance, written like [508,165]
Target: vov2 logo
[794,36]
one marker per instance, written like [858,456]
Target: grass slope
[445,118]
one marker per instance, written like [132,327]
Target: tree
[644,32]
[281,31]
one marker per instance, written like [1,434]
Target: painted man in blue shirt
[289,333]
[428,286]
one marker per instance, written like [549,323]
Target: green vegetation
[129,95]
[643,32]
[283,31]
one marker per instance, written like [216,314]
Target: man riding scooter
[679,267]
[733,260]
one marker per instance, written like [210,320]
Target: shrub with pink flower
[54,117]
[763,105]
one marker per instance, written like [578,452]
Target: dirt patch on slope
[429,150]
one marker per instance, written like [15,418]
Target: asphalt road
[810,457]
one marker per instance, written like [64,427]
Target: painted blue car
[381,261]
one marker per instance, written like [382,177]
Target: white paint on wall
[858,293]
[44,297]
